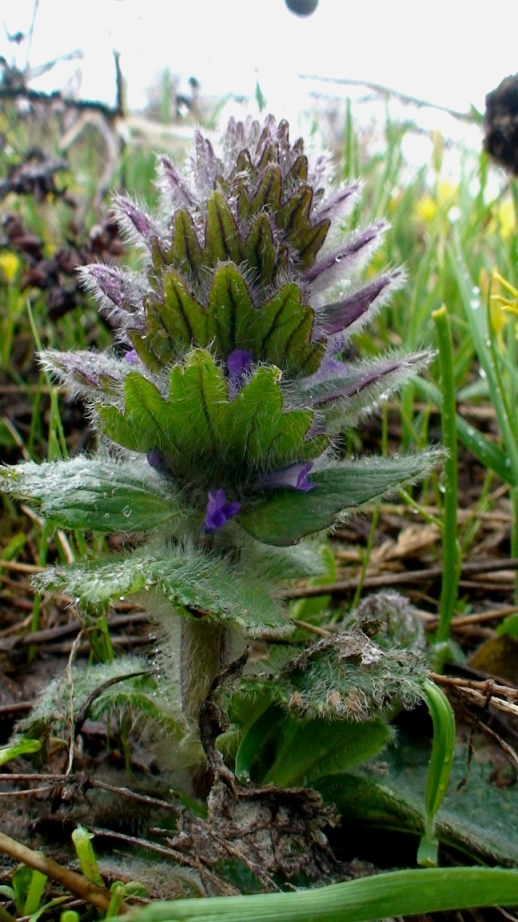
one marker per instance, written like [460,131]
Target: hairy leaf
[197,583]
[346,677]
[475,817]
[204,435]
[309,749]
[285,516]
[97,494]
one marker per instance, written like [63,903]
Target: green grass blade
[485,451]
[450,546]
[398,893]
[478,325]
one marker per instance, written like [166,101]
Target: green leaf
[439,769]
[205,437]
[122,688]
[347,677]
[145,424]
[231,312]
[23,747]
[268,194]
[200,584]
[260,252]
[253,739]
[278,331]
[96,494]
[305,609]
[285,326]
[285,516]
[265,435]
[185,254]
[301,561]
[309,749]
[509,626]
[294,219]
[395,893]
[174,323]
[477,817]
[222,240]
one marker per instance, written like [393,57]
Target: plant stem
[203,645]
[450,545]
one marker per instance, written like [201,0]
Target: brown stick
[399,579]
[80,886]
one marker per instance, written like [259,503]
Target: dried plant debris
[57,274]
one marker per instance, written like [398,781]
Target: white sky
[448,52]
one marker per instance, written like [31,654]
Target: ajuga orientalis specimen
[222,410]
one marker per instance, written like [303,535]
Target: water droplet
[474,301]
[106,515]
[454,214]
[338,259]
[126,512]
[243,777]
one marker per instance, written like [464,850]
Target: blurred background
[191,60]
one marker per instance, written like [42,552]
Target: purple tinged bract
[294,477]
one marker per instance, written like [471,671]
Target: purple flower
[219,511]
[238,363]
[294,477]
[131,357]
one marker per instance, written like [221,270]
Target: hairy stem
[203,649]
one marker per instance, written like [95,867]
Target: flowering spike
[233,373]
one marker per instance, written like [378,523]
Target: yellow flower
[500,305]
[440,202]
[9,264]
[506,218]
[503,219]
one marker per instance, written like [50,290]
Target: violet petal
[294,477]
[219,511]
